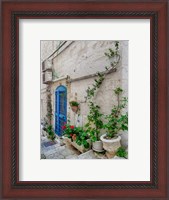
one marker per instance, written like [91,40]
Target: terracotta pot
[74,137]
[97,146]
[111,145]
[74,108]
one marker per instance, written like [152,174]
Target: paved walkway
[58,150]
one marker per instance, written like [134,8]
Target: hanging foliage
[48,121]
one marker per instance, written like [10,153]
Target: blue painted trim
[58,111]
[58,116]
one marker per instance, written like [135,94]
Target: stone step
[61,152]
[92,155]
[87,155]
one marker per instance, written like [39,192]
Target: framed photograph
[84,99]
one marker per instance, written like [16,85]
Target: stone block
[110,155]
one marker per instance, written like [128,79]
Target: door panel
[60,109]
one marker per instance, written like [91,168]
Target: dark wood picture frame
[12,11]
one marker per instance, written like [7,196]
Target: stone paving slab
[47,144]
[117,157]
[55,156]
[57,151]
[71,157]
[63,151]
[100,155]
[49,150]
[87,155]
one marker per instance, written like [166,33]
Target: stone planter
[111,145]
[80,148]
[97,146]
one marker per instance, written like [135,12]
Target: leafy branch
[121,152]
[95,123]
[117,120]
[92,90]
[113,55]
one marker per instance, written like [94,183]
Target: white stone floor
[62,151]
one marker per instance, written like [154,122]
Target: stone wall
[47,47]
[82,58]
[87,57]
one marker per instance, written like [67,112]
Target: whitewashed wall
[87,57]
[47,47]
[82,58]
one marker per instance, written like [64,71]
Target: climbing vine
[113,55]
[92,90]
[95,124]
[48,120]
[49,106]
[117,120]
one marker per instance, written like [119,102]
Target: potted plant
[50,132]
[82,138]
[74,106]
[116,121]
[69,131]
[94,126]
[77,136]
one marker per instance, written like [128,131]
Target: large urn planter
[111,145]
[97,146]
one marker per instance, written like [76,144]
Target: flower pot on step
[111,145]
[97,146]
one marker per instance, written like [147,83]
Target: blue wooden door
[60,109]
